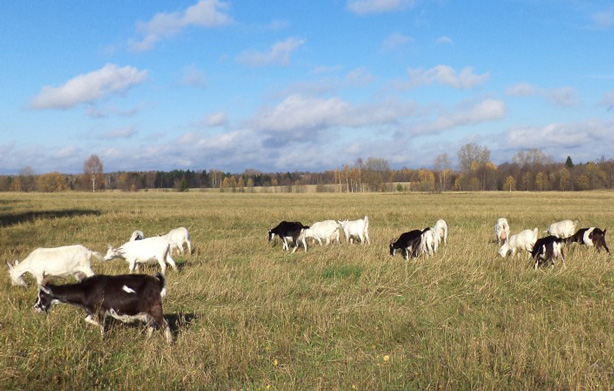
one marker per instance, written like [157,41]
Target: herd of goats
[132,297]
[426,241]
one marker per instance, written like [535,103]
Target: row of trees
[530,170]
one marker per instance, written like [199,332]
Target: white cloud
[89,87]
[120,133]
[608,100]
[484,111]
[522,89]
[444,40]
[66,152]
[604,19]
[446,75]
[299,116]
[192,76]
[278,54]
[364,7]
[563,96]
[595,133]
[395,41]
[216,119]
[205,13]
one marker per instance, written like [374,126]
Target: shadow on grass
[7,220]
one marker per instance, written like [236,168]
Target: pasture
[246,315]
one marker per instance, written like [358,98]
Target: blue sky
[301,85]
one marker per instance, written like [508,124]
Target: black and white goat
[592,237]
[127,297]
[289,230]
[409,243]
[547,249]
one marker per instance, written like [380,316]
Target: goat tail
[162,280]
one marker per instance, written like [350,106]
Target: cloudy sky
[283,85]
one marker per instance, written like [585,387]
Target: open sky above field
[282,85]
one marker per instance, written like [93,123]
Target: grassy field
[247,316]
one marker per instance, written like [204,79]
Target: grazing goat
[127,297]
[137,235]
[591,237]
[155,248]
[523,240]
[54,262]
[441,232]
[289,230]
[327,230]
[408,243]
[547,249]
[178,237]
[502,230]
[427,241]
[356,229]
[562,229]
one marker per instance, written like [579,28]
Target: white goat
[562,229]
[502,230]
[356,228]
[427,241]
[178,237]
[156,248]
[54,262]
[524,240]
[327,230]
[440,231]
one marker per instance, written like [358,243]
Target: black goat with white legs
[547,249]
[128,298]
[409,243]
[289,230]
[592,237]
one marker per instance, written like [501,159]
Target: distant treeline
[370,176]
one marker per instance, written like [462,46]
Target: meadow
[246,315]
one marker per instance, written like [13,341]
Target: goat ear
[9,265]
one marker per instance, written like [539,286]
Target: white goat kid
[440,231]
[156,248]
[327,230]
[356,229]
[178,237]
[562,229]
[62,261]
[502,230]
[524,240]
[427,241]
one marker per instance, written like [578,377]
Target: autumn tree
[52,182]
[471,156]
[92,172]
[532,157]
[25,181]
[510,183]
[376,173]
[442,165]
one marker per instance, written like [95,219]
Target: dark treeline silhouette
[530,171]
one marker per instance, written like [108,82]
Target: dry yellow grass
[249,316]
